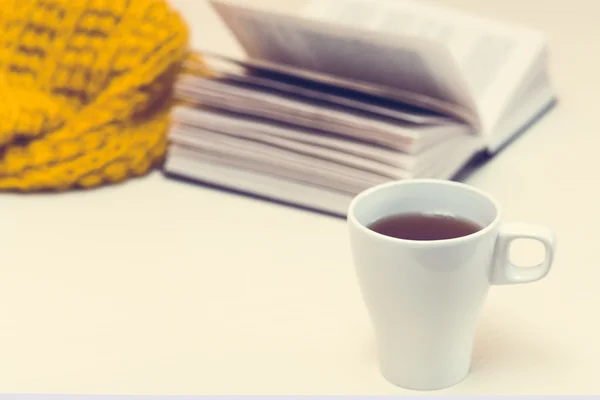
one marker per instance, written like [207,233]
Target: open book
[350,94]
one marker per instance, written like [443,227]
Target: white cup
[424,297]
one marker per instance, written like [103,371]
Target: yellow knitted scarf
[84,90]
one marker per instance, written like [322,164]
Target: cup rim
[423,243]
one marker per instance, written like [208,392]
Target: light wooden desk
[159,287]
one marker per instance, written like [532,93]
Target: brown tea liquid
[419,226]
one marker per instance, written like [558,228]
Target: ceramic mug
[424,297]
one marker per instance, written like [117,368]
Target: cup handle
[504,271]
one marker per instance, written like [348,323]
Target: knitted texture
[85,88]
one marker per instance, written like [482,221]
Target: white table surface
[161,287]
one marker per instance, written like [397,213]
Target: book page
[534,100]
[262,158]
[191,164]
[188,121]
[409,66]
[226,71]
[199,137]
[310,114]
[319,189]
[492,56]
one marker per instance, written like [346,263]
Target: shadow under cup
[423,297]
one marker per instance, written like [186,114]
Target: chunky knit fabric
[84,90]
